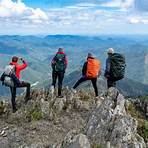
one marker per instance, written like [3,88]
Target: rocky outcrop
[84,123]
[109,123]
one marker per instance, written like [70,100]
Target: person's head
[60,50]
[15,59]
[110,51]
[90,55]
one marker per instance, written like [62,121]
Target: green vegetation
[142,121]
[144,98]
[84,96]
[97,146]
[34,113]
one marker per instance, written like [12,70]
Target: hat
[90,55]
[60,50]
[15,59]
[110,50]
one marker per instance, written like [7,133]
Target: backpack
[117,66]
[60,64]
[93,68]
[8,77]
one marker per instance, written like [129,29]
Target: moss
[97,146]
[34,113]
[84,96]
[142,121]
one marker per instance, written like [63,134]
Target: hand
[21,59]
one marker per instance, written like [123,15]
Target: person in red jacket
[18,69]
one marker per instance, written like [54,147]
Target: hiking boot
[60,96]
[27,99]
[14,110]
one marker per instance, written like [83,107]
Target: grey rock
[45,109]
[109,122]
[76,141]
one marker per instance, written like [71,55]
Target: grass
[96,145]
[142,121]
[34,114]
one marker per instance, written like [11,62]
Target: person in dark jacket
[85,78]
[59,65]
[18,69]
[110,81]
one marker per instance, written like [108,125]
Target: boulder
[109,123]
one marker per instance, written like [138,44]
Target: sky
[78,17]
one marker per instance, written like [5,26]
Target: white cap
[110,51]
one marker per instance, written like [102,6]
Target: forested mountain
[38,51]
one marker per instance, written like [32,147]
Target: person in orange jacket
[18,69]
[90,71]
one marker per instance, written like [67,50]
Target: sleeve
[84,69]
[66,61]
[53,62]
[2,77]
[107,70]
[22,66]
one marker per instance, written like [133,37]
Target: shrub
[34,113]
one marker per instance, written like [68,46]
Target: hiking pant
[60,76]
[111,83]
[13,93]
[93,80]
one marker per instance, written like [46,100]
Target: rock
[59,104]
[109,123]
[45,109]
[4,143]
[75,141]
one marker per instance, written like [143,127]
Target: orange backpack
[93,68]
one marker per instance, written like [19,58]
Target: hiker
[90,71]
[11,78]
[115,67]
[59,65]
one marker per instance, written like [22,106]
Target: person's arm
[22,66]
[84,69]
[53,61]
[107,70]
[66,61]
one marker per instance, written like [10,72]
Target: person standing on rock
[115,67]
[13,71]
[90,71]
[59,65]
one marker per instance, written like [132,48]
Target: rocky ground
[75,121]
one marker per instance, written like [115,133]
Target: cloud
[123,4]
[19,11]
[138,20]
[91,18]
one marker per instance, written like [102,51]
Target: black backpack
[60,64]
[117,66]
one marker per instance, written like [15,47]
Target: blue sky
[82,17]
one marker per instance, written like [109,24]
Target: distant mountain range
[38,51]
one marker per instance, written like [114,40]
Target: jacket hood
[62,52]
[13,63]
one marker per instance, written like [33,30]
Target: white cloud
[90,18]
[138,20]
[134,21]
[18,10]
[123,4]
